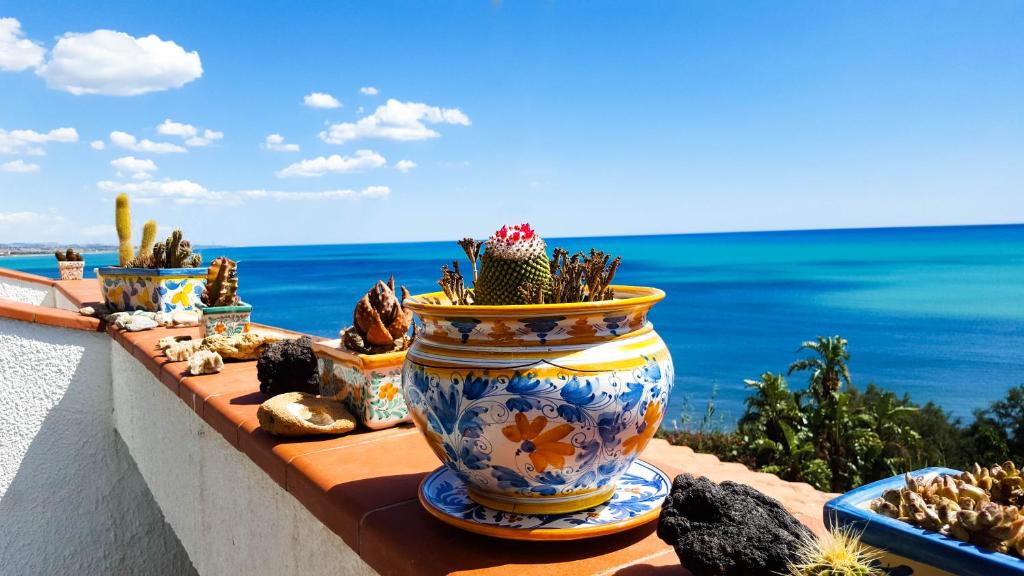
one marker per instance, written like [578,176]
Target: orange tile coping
[26,277]
[48,316]
[363,485]
[81,292]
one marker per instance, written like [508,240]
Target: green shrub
[835,437]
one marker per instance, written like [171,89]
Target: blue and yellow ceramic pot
[370,385]
[538,408]
[227,320]
[154,290]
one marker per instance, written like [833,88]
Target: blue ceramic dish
[924,547]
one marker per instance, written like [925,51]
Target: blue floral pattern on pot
[539,432]
[642,489]
[128,289]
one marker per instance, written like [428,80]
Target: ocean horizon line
[661,235]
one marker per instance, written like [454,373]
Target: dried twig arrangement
[472,249]
[454,285]
[581,277]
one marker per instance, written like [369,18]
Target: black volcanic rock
[728,529]
[288,366]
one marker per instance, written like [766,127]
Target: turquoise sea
[935,312]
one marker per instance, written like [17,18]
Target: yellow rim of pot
[636,296]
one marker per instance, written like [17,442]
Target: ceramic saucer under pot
[637,500]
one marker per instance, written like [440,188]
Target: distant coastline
[38,249]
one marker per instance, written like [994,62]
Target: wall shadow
[77,500]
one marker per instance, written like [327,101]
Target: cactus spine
[123,220]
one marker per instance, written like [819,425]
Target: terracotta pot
[71,270]
[538,408]
[370,385]
[154,290]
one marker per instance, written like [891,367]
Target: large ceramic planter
[538,408]
[370,385]
[908,549]
[226,320]
[74,270]
[154,290]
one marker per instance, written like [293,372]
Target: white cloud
[116,64]
[314,167]
[396,121]
[369,91]
[137,168]
[97,145]
[31,142]
[19,167]
[370,192]
[276,143]
[321,100]
[129,142]
[17,53]
[189,192]
[189,133]
[15,218]
[405,165]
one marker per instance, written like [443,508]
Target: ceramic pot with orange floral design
[538,408]
[370,385]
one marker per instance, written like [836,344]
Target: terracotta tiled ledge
[48,316]
[26,277]
[363,485]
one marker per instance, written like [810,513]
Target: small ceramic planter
[71,270]
[226,320]
[908,549]
[370,385]
[153,290]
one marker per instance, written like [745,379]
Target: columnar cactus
[221,283]
[123,221]
[148,237]
[513,257]
[126,255]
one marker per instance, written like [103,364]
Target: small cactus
[175,253]
[68,255]
[513,256]
[379,323]
[838,553]
[221,283]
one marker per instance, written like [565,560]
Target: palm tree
[828,368]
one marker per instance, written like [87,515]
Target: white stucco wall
[26,292]
[71,499]
[228,513]
[61,301]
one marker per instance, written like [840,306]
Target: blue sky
[584,118]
